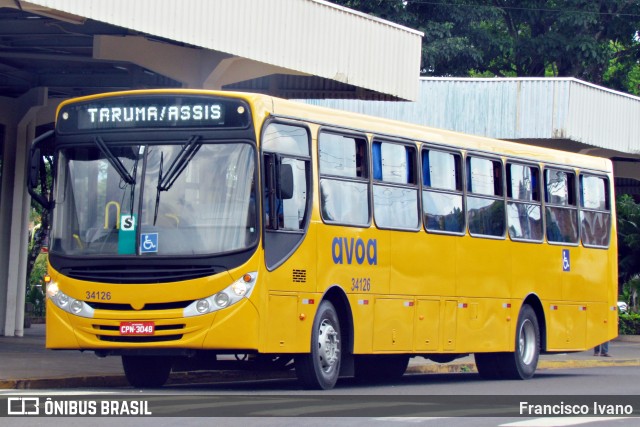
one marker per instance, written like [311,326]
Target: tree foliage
[596,41]
[628,238]
[42,214]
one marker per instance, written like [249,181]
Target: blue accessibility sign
[148,243]
[566,260]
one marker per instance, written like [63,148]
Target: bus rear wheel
[320,368]
[147,371]
[522,363]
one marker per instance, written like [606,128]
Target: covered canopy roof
[288,48]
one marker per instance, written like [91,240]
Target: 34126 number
[97,296]
[360,284]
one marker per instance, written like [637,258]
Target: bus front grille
[147,307]
[139,273]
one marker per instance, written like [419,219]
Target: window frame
[572,197]
[459,191]
[268,180]
[412,185]
[365,167]
[608,204]
[536,200]
[495,197]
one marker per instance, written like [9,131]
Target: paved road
[25,363]
[421,399]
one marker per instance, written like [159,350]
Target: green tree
[596,41]
[40,215]
[35,289]
[628,238]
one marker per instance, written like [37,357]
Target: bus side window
[395,192]
[524,207]
[442,203]
[561,211]
[344,183]
[595,211]
[485,201]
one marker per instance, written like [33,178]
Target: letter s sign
[127,222]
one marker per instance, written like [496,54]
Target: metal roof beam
[311,36]
[50,57]
[194,67]
[179,63]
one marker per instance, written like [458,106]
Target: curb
[542,365]
[628,338]
[68,382]
[236,376]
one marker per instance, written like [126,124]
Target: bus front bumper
[235,327]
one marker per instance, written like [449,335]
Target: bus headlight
[66,303]
[230,295]
[221,299]
[202,306]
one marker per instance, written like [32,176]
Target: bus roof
[405,130]
[265,105]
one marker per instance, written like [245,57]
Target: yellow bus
[192,226]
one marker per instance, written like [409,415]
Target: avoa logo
[349,250]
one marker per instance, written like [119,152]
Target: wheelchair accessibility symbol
[566,260]
[148,243]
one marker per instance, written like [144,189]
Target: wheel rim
[527,342]
[328,345]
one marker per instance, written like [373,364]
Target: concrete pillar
[19,117]
[6,198]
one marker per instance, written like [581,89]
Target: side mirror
[285,181]
[36,166]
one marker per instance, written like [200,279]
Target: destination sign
[153,112]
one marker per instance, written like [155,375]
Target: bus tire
[380,368]
[488,365]
[319,369]
[521,364]
[146,371]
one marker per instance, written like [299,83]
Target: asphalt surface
[26,364]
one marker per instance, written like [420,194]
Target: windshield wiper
[179,164]
[114,161]
[155,212]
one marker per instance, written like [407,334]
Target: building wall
[517,109]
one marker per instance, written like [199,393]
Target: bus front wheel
[146,371]
[488,365]
[320,368]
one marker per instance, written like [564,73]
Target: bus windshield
[116,201]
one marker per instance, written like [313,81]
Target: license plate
[137,328]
